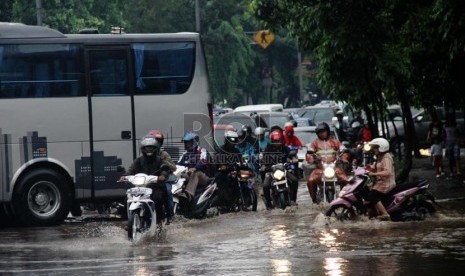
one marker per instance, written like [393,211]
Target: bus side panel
[111,116]
[43,128]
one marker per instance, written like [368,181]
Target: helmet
[259,131]
[231,136]
[339,113]
[382,143]
[247,129]
[322,127]
[289,130]
[288,123]
[157,135]
[149,146]
[276,137]
[190,137]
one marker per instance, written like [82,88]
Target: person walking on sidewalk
[452,139]
[436,155]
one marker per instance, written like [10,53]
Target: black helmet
[321,127]
[247,129]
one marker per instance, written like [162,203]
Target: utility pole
[197,16]
[39,12]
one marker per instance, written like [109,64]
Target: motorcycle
[327,191]
[177,186]
[245,179]
[203,204]
[141,208]
[280,192]
[406,202]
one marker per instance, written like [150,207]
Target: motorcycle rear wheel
[341,213]
[250,200]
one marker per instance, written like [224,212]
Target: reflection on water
[278,237]
[334,266]
[281,267]
[298,241]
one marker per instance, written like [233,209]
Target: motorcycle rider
[247,129]
[195,159]
[247,149]
[277,152]
[151,163]
[326,147]
[166,157]
[342,127]
[290,139]
[262,139]
[385,176]
[227,164]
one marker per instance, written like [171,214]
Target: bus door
[112,131]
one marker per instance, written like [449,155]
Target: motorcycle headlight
[278,175]
[244,174]
[138,180]
[366,147]
[329,172]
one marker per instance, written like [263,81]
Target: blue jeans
[170,211]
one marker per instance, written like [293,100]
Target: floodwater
[297,241]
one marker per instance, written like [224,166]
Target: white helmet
[149,146]
[382,143]
[259,131]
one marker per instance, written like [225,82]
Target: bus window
[40,70]
[163,68]
[108,72]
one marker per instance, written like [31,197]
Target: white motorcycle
[141,208]
[177,185]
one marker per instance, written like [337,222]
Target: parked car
[421,118]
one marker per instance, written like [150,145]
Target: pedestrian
[436,155]
[452,139]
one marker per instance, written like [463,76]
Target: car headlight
[278,175]
[329,172]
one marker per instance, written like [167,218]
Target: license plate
[139,191]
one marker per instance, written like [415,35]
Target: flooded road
[297,241]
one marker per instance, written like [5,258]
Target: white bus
[74,107]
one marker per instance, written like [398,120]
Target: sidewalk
[444,187]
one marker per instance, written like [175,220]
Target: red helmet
[155,133]
[276,137]
[289,129]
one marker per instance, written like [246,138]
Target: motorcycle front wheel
[283,200]
[134,226]
[341,212]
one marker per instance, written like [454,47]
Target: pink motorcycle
[406,202]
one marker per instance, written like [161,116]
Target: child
[436,154]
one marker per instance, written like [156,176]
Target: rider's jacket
[198,158]
[326,149]
[272,156]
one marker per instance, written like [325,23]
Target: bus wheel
[42,198]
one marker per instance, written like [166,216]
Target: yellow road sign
[264,38]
